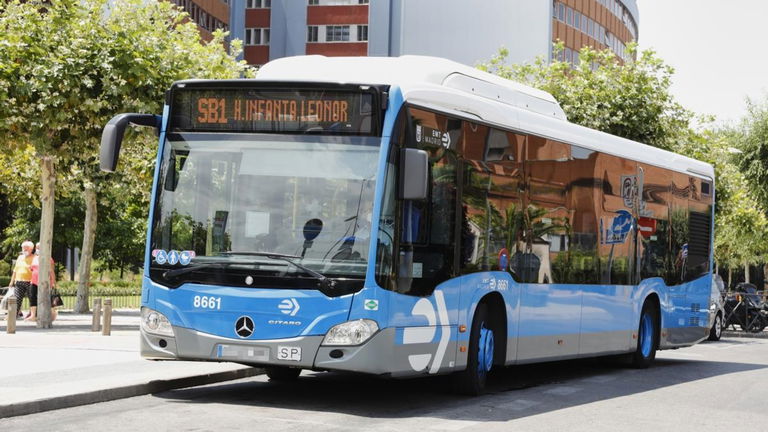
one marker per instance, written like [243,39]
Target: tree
[751,138]
[741,224]
[630,100]
[98,58]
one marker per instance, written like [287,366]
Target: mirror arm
[112,136]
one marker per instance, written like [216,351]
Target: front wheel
[472,380]
[282,373]
[717,328]
[647,337]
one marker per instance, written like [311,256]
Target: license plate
[290,353]
[240,352]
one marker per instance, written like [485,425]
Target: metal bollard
[96,319]
[11,317]
[107,329]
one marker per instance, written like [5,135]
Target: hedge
[116,288]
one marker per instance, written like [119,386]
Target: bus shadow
[515,392]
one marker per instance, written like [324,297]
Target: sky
[717,48]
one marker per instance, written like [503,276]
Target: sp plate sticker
[371,305]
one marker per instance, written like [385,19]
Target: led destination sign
[286,111]
[214,110]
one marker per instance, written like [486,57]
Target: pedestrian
[33,286]
[22,273]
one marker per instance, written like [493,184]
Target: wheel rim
[718,326]
[485,351]
[646,335]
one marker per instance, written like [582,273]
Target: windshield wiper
[325,281]
[178,272]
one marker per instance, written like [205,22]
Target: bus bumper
[375,356]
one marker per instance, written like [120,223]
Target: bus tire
[647,337]
[282,373]
[471,381]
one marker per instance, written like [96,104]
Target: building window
[257,36]
[362,33]
[314,2]
[337,33]
[363,2]
[258,4]
[312,34]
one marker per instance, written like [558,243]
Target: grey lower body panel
[678,337]
[379,355]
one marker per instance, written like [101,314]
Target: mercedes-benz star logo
[244,326]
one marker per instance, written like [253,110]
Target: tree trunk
[746,272]
[86,254]
[730,277]
[48,180]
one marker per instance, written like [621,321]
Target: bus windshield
[233,204]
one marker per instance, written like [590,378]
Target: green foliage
[741,225]
[4,281]
[752,139]
[97,59]
[116,288]
[630,100]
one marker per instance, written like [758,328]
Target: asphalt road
[706,387]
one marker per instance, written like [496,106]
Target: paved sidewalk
[68,365]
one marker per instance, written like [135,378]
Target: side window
[427,232]
[575,258]
[653,223]
[617,202]
[680,191]
[492,198]
[547,216]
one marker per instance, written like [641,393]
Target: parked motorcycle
[745,308]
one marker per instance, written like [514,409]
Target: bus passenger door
[550,303]
[424,306]
[492,188]
[608,316]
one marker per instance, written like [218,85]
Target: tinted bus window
[653,223]
[428,228]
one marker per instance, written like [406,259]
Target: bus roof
[447,85]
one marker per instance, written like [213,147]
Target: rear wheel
[717,328]
[647,337]
[480,355]
[282,373]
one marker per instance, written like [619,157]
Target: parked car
[717,308]
[744,307]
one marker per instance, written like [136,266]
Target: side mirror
[112,136]
[414,174]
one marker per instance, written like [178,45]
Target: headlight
[351,332]
[156,323]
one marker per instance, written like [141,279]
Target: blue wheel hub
[485,350]
[646,335]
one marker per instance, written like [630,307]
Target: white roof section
[410,73]
[453,87]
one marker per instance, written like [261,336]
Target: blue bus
[411,216]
